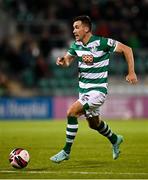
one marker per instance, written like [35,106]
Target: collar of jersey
[85,45]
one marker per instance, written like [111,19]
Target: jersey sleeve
[71,50]
[108,44]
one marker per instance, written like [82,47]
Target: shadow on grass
[83,164]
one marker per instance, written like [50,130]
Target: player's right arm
[65,61]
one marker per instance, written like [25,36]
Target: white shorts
[91,102]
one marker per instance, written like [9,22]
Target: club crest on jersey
[88,59]
[93,49]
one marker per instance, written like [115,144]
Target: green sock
[71,131]
[105,130]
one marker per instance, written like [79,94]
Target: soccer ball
[19,158]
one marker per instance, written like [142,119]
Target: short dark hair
[85,20]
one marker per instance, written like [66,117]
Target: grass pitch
[91,156]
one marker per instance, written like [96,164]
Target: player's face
[79,30]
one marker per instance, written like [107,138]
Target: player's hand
[60,61]
[132,78]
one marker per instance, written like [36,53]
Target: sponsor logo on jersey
[88,59]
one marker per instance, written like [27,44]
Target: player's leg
[103,128]
[72,124]
[91,104]
[72,127]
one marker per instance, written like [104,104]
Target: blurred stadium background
[33,33]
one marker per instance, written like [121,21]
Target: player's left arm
[128,54]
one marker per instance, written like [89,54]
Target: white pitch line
[72,172]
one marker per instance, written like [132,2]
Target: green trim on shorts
[85,107]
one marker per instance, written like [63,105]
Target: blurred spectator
[41,68]
[102,29]
[45,43]
[133,40]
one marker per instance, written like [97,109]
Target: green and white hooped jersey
[93,62]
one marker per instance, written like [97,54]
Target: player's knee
[71,113]
[75,110]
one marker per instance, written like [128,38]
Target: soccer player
[92,53]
